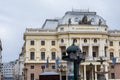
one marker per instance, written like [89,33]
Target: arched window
[95,40]
[111,55]
[75,40]
[62,41]
[111,43]
[53,55]
[85,40]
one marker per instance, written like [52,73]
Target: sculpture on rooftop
[69,21]
[99,22]
[84,20]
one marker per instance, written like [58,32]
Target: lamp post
[91,67]
[74,55]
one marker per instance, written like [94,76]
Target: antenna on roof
[88,9]
[72,9]
[80,10]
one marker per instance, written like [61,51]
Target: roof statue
[84,20]
[100,22]
[69,21]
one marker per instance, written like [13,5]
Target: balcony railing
[36,30]
[62,44]
[96,58]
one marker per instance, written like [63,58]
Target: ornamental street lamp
[91,67]
[102,70]
[74,55]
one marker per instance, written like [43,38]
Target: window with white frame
[42,55]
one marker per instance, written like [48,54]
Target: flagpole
[47,63]
[57,65]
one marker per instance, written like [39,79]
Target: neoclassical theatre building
[92,35]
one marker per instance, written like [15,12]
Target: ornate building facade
[92,35]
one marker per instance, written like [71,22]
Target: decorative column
[101,48]
[37,50]
[59,49]
[106,52]
[27,56]
[90,51]
[95,71]
[81,44]
[106,70]
[84,72]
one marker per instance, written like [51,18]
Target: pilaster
[84,72]
[95,71]
[101,48]
[90,49]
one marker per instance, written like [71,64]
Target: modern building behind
[0,60]
[7,70]
[92,35]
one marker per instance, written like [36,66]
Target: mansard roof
[114,32]
[75,18]
[50,24]
[78,17]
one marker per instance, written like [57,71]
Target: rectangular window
[111,43]
[53,43]
[94,54]
[42,67]
[32,76]
[42,55]
[32,42]
[112,66]
[53,67]
[32,55]
[42,43]
[53,55]
[112,75]
[111,55]
[32,67]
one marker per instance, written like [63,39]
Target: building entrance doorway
[88,75]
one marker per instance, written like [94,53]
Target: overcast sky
[17,15]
